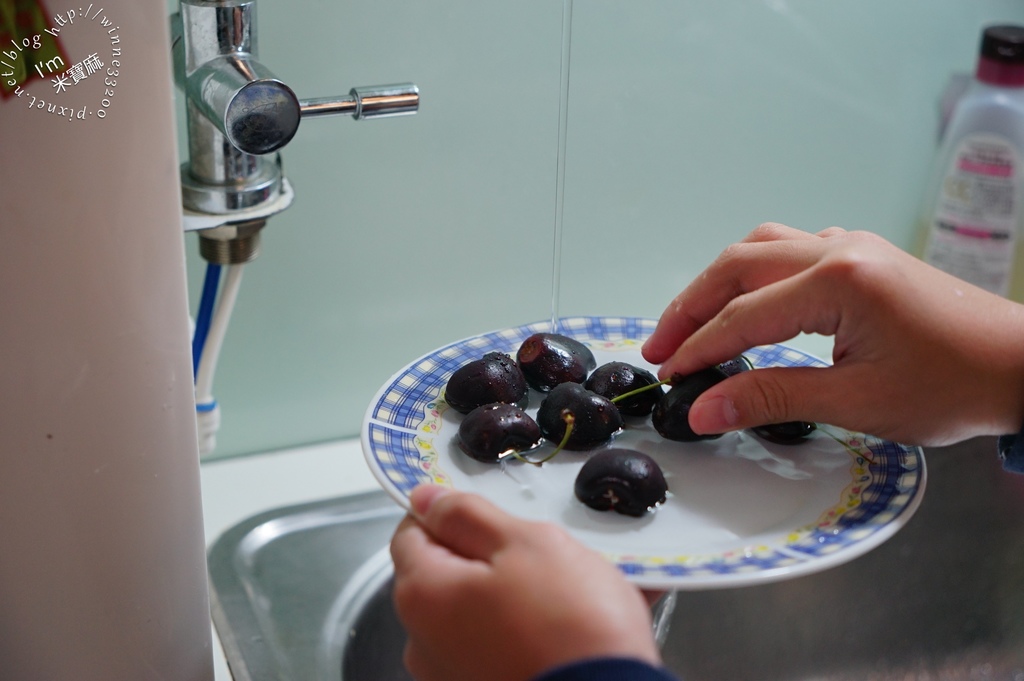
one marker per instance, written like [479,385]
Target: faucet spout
[256,112]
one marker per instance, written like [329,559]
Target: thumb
[763,396]
[466,524]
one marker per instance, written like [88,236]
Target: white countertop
[239,488]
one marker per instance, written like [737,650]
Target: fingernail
[713,415]
[423,497]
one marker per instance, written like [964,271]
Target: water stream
[563,122]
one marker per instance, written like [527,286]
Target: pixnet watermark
[96,71]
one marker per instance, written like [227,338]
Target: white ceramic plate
[740,510]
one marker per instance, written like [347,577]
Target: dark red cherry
[492,431]
[621,480]
[788,433]
[672,413]
[595,420]
[736,365]
[618,378]
[495,377]
[548,359]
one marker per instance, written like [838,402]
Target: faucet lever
[376,101]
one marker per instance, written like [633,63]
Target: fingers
[496,616]
[774,395]
[766,301]
[776,231]
[652,597]
[802,303]
[466,524]
[424,664]
[448,534]
[769,254]
[414,660]
[411,545]
[423,497]
[431,571]
[809,301]
[831,232]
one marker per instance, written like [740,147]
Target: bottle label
[973,233]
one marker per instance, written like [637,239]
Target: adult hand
[919,356]
[484,595]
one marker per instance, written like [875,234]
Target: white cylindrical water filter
[102,554]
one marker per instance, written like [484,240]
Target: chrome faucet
[238,116]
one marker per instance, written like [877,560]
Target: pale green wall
[690,121]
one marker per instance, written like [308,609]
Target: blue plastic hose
[205,314]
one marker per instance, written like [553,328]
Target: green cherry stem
[570,420]
[640,390]
[846,445]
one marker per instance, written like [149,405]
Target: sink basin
[303,593]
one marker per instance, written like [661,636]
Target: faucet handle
[259,114]
[375,101]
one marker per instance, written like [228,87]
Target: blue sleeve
[607,669]
[1011,451]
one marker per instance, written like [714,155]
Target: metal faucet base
[220,199]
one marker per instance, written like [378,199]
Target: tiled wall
[689,123]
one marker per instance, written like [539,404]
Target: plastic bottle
[974,212]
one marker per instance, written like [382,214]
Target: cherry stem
[847,446]
[645,388]
[570,420]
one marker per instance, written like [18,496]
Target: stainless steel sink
[303,593]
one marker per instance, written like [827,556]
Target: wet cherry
[736,365]
[621,480]
[492,431]
[495,377]
[788,433]
[671,415]
[618,378]
[594,419]
[548,359]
